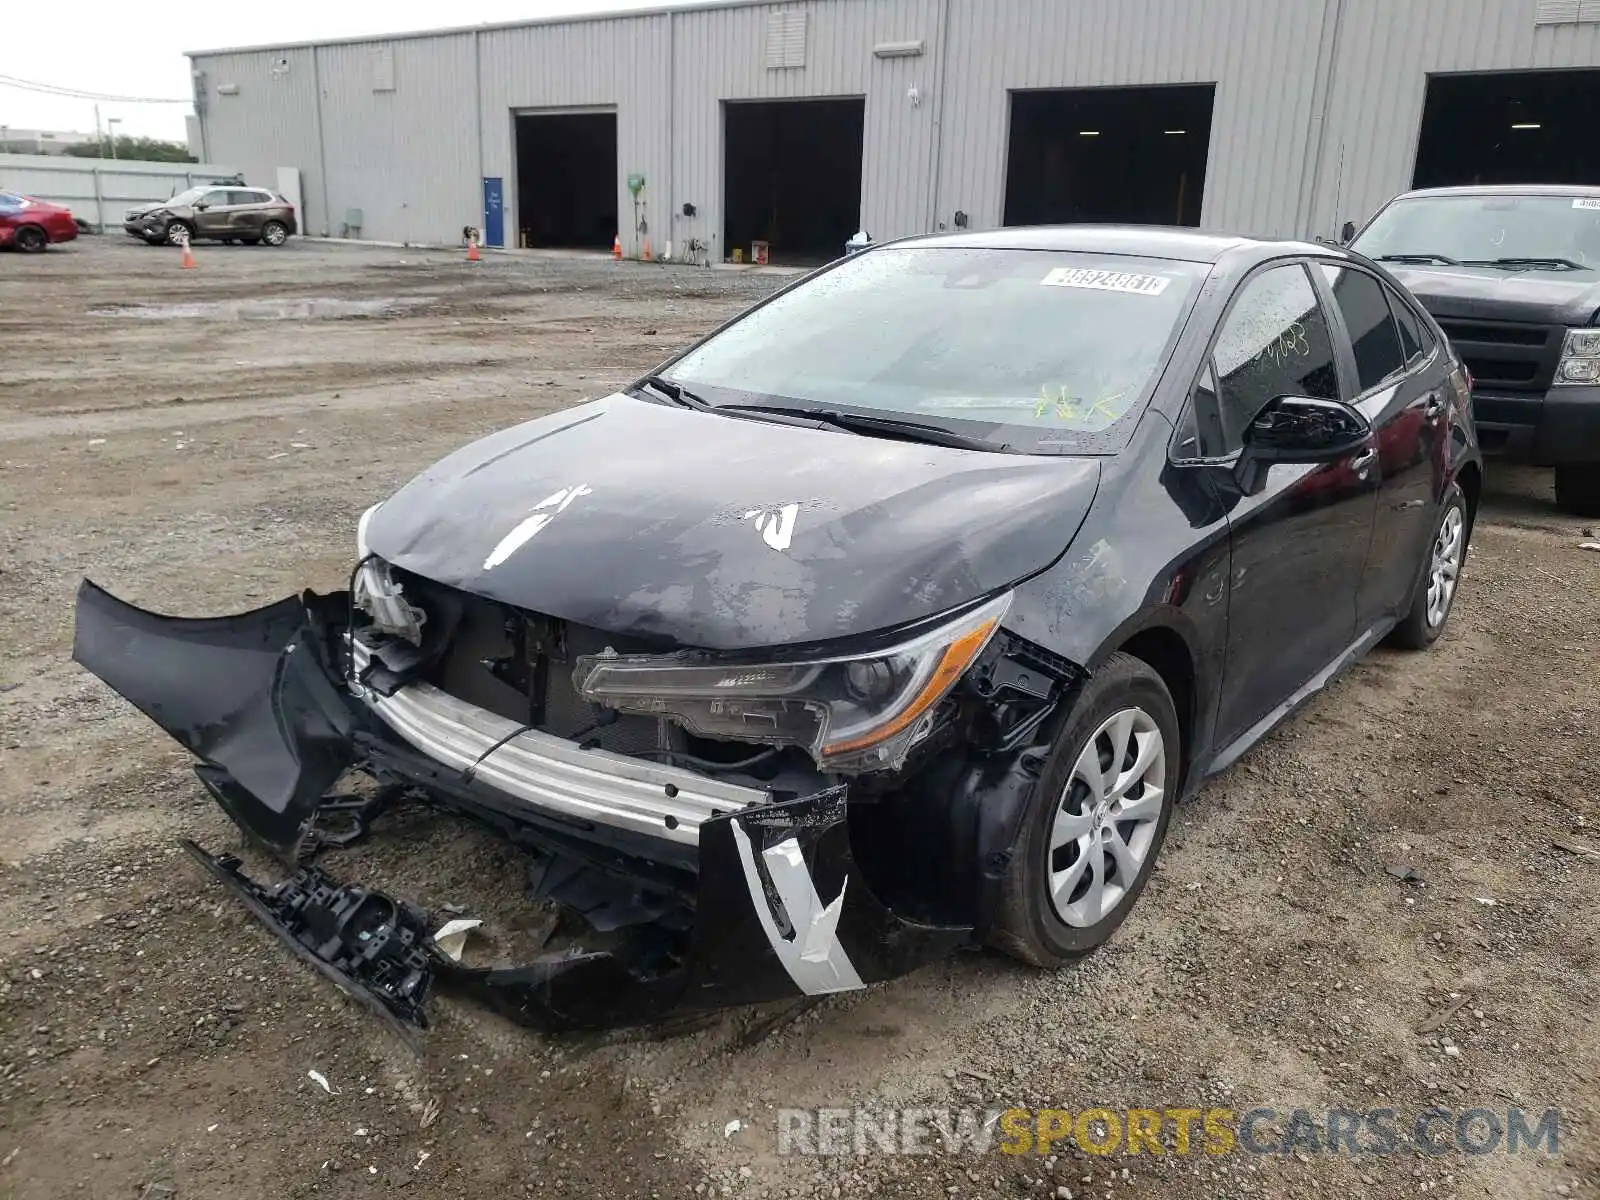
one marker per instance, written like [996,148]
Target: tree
[139,149]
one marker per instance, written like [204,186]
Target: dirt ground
[213,455]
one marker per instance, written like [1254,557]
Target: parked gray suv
[219,213]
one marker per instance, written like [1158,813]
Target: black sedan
[893,617]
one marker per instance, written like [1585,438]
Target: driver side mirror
[201,205]
[1305,429]
[1347,233]
[1295,429]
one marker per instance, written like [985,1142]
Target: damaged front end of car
[714,829]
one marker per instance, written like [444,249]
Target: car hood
[712,531]
[1543,297]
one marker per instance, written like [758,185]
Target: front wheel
[1096,820]
[1436,594]
[179,232]
[1578,488]
[274,233]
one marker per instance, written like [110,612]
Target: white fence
[98,190]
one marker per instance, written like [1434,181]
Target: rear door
[247,212]
[1299,542]
[1400,389]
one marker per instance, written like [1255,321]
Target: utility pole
[111,127]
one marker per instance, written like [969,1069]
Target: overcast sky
[112,48]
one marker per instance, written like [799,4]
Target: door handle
[1362,463]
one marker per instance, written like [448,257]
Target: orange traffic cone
[187,262]
[616,247]
[472,250]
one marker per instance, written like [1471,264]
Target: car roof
[1144,241]
[1505,189]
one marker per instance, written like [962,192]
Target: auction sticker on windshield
[1106,281]
[1586,202]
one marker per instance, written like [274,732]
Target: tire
[1441,576]
[1578,488]
[1032,924]
[178,232]
[274,233]
[30,239]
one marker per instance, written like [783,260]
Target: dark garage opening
[1511,127]
[1108,154]
[567,180]
[793,170]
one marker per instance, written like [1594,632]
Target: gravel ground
[203,441]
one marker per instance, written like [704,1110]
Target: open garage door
[1108,154]
[567,179]
[1510,127]
[793,172]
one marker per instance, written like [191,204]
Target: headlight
[851,714]
[375,592]
[1580,357]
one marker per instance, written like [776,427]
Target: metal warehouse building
[795,124]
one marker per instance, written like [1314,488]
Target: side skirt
[1235,750]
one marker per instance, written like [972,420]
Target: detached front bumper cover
[777,906]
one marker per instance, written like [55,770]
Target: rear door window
[1373,333]
[1415,340]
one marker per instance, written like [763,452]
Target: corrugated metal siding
[618,63]
[1261,54]
[1317,109]
[720,56]
[406,157]
[1386,52]
[271,122]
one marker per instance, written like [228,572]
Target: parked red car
[30,225]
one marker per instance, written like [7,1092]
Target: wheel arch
[1165,651]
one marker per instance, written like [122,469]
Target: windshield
[1035,350]
[189,197]
[1478,230]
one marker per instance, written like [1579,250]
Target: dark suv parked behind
[223,214]
[1512,275]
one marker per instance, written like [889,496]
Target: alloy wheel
[1105,823]
[1445,566]
[274,234]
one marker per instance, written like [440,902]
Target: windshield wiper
[1443,259]
[897,427]
[1549,264]
[676,393]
